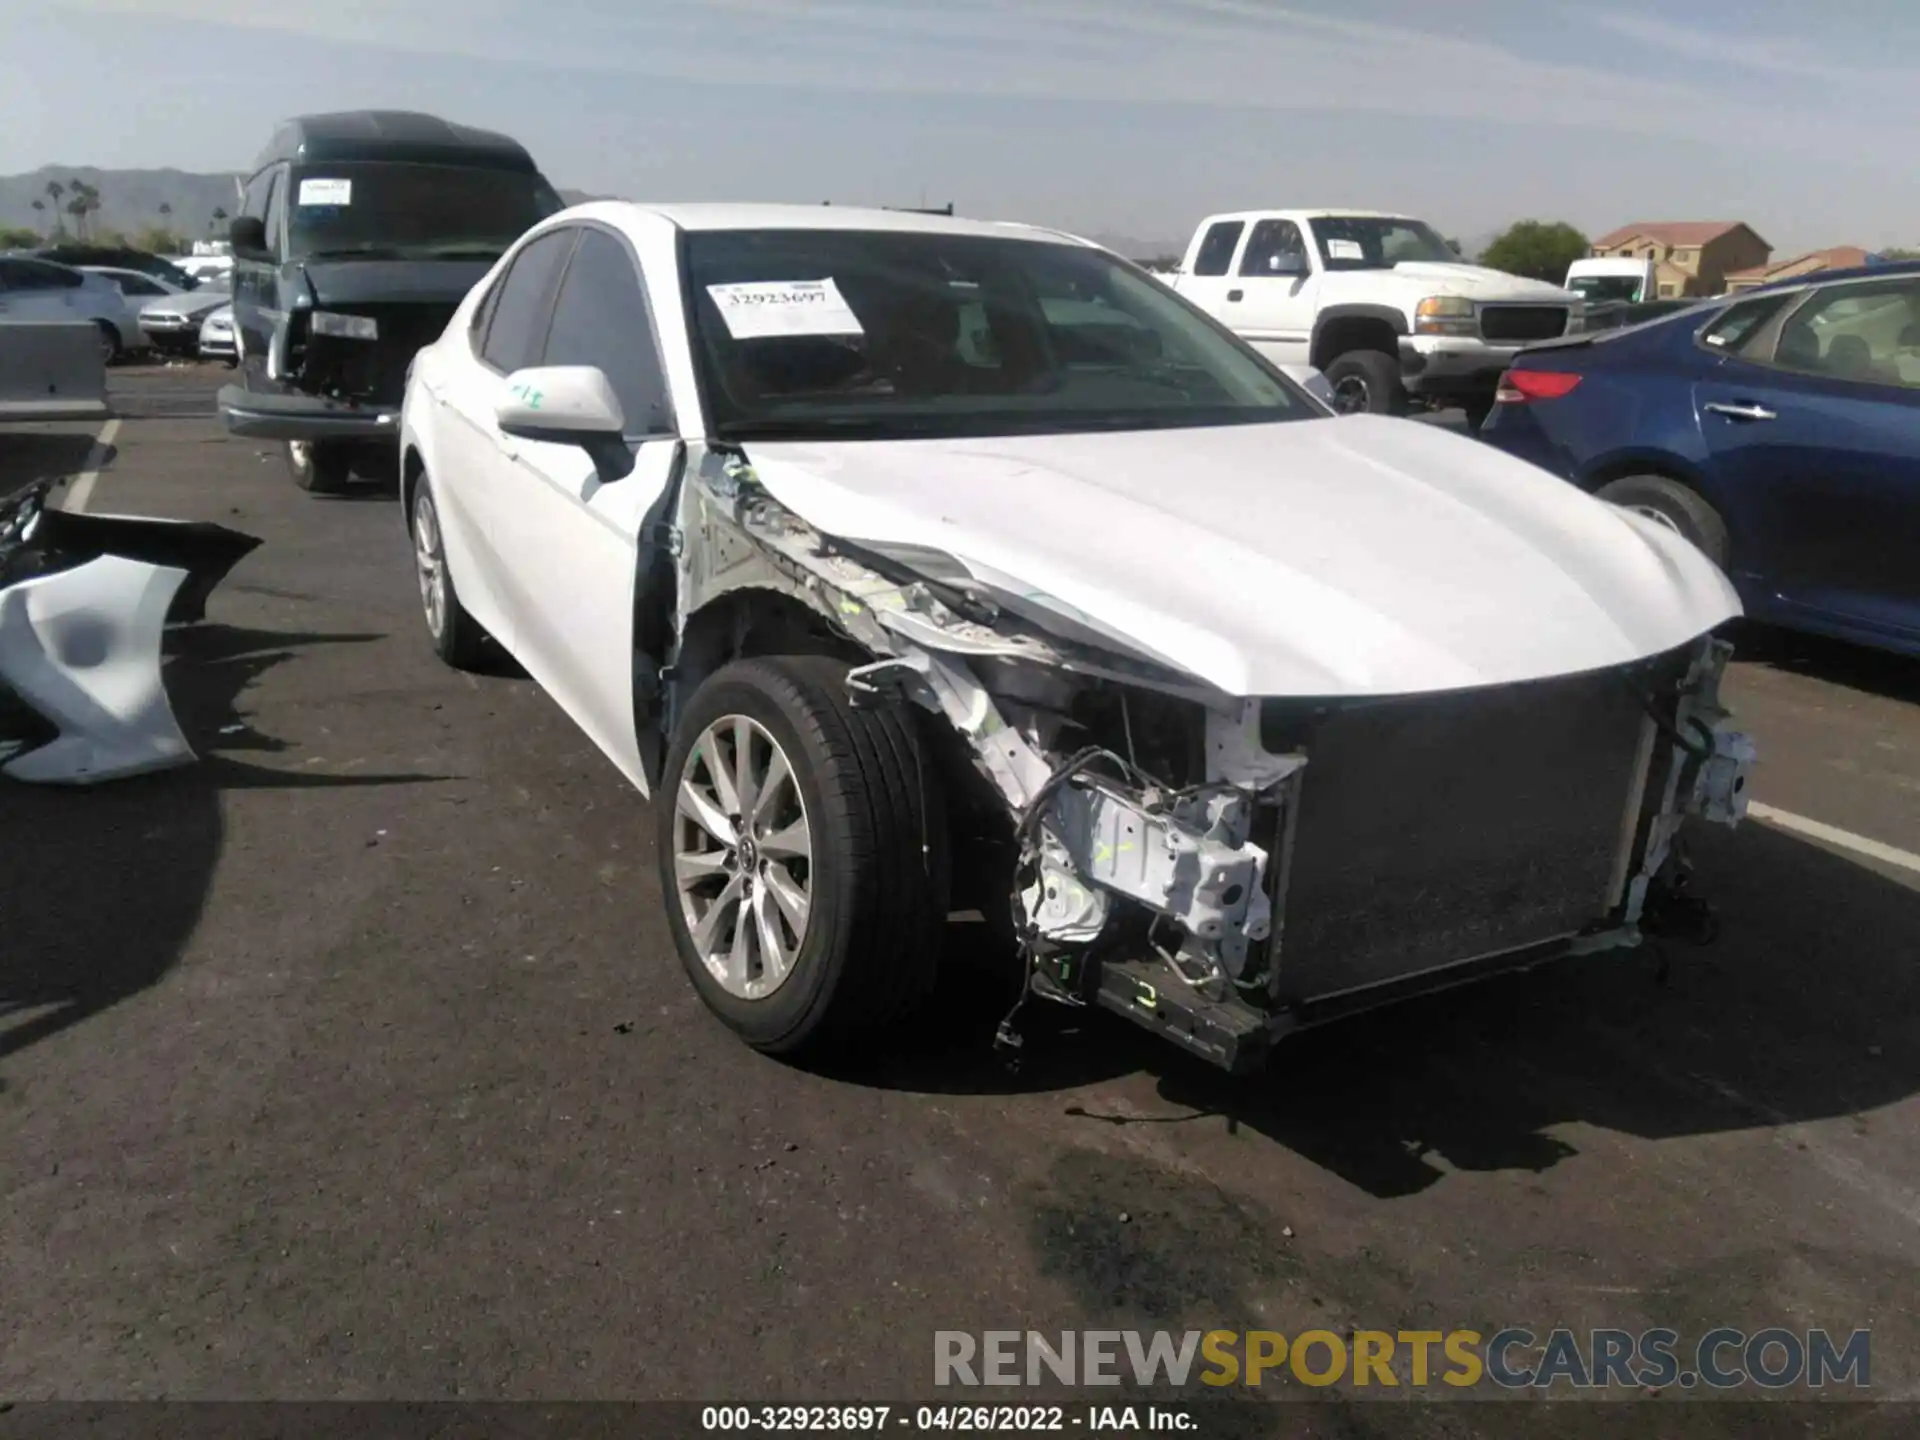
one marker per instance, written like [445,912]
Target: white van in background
[1614,278]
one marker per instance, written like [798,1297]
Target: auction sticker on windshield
[766,309]
[326,192]
[1345,250]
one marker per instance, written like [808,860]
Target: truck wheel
[1367,382]
[1674,505]
[803,856]
[109,343]
[458,638]
[319,467]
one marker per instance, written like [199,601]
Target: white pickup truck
[1378,302]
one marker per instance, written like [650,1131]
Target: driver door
[1274,291]
[572,532]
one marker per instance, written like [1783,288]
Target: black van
[358,235]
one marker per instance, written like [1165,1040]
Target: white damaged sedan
[926,567]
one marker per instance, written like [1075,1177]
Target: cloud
[1240,55]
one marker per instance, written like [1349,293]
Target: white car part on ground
[51,370]
[82,648]
[84,603]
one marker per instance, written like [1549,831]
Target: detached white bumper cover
[82,648]
[1360,556]
[84,603]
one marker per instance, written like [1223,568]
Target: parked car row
[135,310]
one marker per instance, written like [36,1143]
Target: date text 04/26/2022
[965,1419]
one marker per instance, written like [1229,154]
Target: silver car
[217,337]
[172,322]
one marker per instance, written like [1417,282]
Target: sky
[1121,117]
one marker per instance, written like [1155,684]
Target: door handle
[1236,295]
[1740,412]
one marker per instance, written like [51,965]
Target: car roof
[403,135]
[742,216]
[1886,270]
[1312,212]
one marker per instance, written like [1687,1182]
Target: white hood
[1475,282]
[1358,556]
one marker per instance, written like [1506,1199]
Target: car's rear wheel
[803,855]
[1367,382]
[1679,507]
[320,467]
[110,346]
[458,638]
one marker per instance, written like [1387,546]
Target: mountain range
[132,200]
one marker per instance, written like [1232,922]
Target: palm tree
[92,195]
[54,191]
[40,207]
[219,218]
[77,207]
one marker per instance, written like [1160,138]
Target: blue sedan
[1778,430]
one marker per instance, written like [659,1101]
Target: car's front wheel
[110,346]
[458,638]
[1674,505]
[803,854]
[1367,382]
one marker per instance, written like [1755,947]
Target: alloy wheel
[743,857]
[430,563]
[1350,394]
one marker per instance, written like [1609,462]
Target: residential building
[1691,257]
[1837,257]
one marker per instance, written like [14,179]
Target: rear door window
[1216,250]
[1740,325]
[516,332]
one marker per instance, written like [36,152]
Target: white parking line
[1833,835]
[81,490]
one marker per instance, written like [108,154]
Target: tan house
[1838,257]
[1691,257]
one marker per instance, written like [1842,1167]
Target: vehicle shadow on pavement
[103,886]
[1838,662]
[1805,1009]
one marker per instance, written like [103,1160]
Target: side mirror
[562,404]
[248,236]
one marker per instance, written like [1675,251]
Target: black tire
[1478,408]
[1680,506]
[1367,382]
[879,876]
[458,639]
[319,467]
[110,347]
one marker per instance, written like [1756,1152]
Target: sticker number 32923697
[764,309]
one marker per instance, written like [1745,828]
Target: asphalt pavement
[354,1062]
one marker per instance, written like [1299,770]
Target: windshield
[1373,242]
[1606,287]
[404,211]
[884,334]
